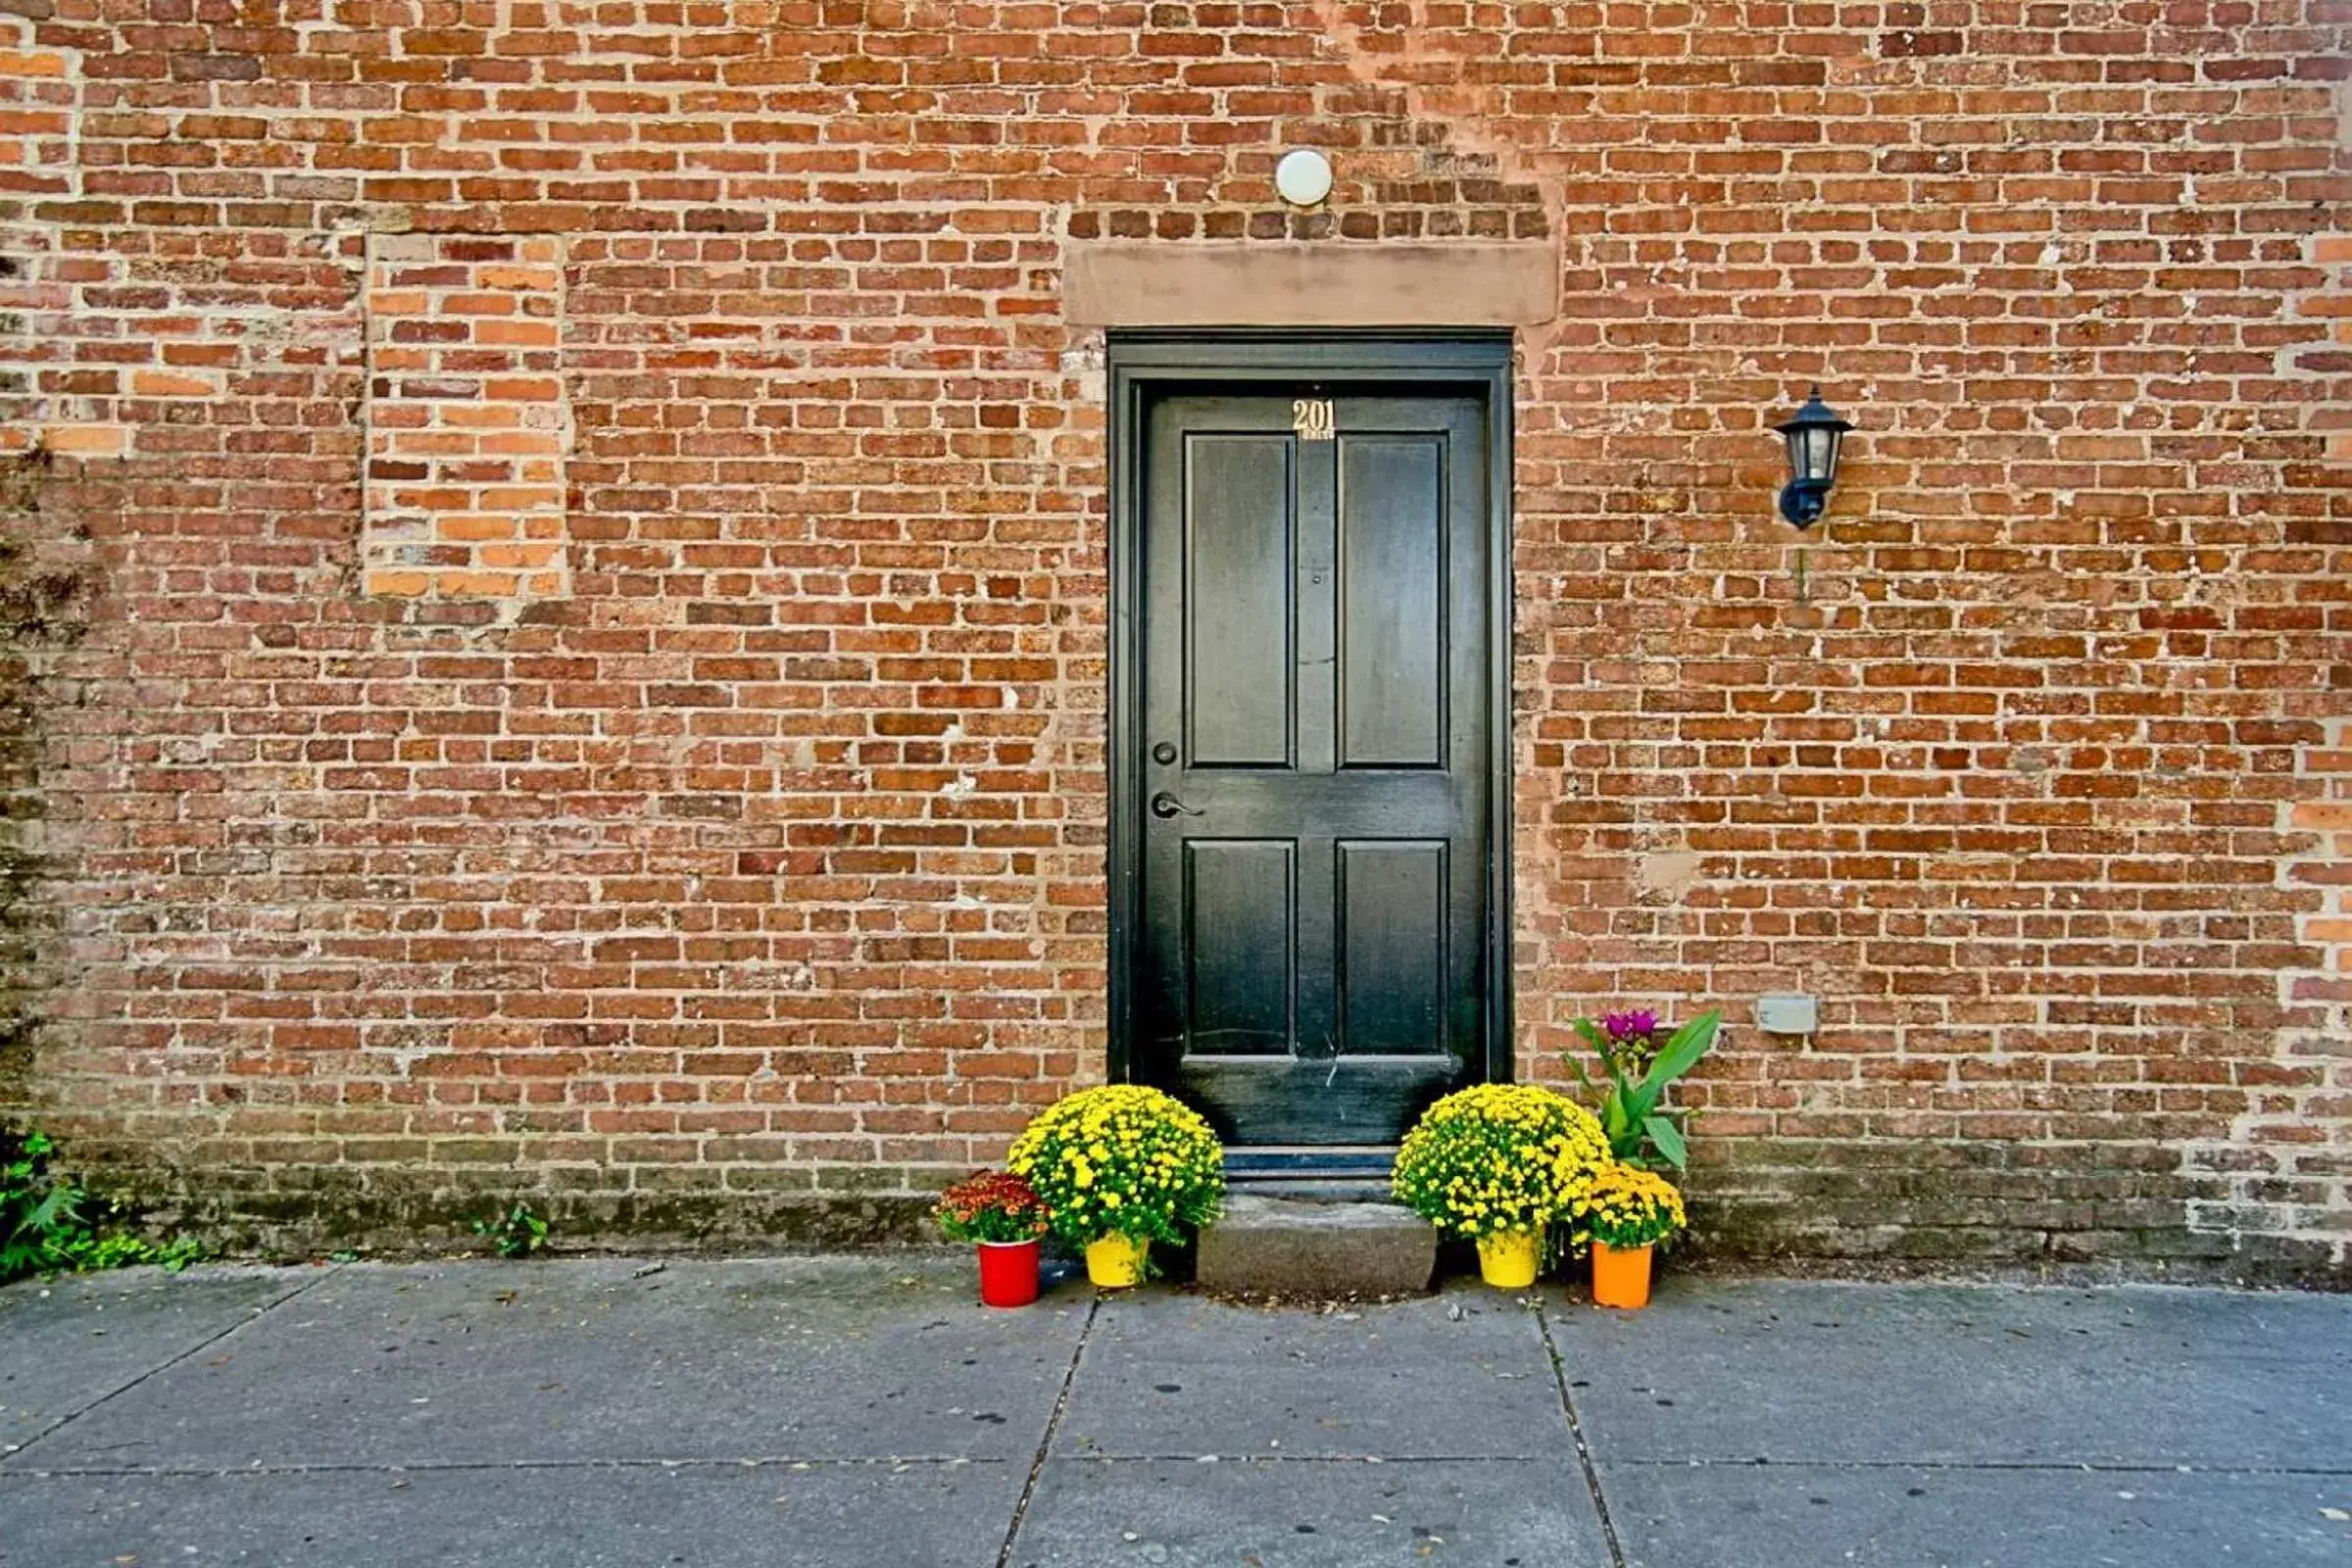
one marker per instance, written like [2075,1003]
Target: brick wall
[588,671]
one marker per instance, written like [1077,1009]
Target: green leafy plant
[1639,1068]
[516,1233]
[1498,1157]
[48,1224]
[39,1211]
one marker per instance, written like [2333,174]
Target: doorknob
[1164,805]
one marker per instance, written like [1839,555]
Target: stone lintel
[1337,283]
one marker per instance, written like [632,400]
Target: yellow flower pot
[1115,1262]
[1507,1259]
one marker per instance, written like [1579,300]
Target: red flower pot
[1007,1273]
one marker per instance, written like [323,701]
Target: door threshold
[1281,1164]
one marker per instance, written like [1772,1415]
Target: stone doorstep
[1306,1247]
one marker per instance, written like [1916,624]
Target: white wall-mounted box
[1787,1014]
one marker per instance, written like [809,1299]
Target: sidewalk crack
[1044,1445]
[1576,1430]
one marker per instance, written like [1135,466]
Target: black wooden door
[1313,781]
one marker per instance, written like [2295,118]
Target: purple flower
[1639,1025]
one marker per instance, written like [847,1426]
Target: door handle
[1164,805]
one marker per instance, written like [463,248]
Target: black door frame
[1142,362]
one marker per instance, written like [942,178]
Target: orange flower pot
[1620,1278]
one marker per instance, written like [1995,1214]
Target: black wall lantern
[1813,436]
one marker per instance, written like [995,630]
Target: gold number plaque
[1312,418]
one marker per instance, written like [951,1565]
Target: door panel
[1238,599]
[1310,945]
[1392,942]
[1239,897]
[1391,602]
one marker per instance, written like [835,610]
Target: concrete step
[1297,1246]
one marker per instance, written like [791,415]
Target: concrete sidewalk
[840,1414]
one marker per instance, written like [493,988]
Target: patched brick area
[2290,1154]
[38,103]
[2333,253]
[587,522]
[466,417]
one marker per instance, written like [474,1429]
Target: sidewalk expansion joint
[1044,1445]
[1576,1430]
[16,1454]
[1197,1458]
[894,1462]
[2116,1467]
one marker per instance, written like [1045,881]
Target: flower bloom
[991,1206]
[1122,1160]
[1638,1024]
[1628,1206]
[1498,1157]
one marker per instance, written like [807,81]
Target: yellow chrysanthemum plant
[1122,1167]
[1628,1206]
[1501,1164]
[1625,1214]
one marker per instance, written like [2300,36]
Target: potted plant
[1640,1061]
[1003,1215]
[1499,1163]
[1120,1167]
[1627,1213]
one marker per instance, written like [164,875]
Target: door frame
[1140,363]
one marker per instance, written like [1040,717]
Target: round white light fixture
[1302,177]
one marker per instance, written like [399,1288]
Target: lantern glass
[1813,440]
[1821,453]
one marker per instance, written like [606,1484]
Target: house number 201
[1312,418]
